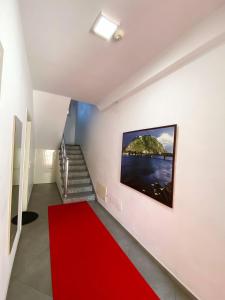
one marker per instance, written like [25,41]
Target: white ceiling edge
[207,35]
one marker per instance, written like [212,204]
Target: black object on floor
[27,217]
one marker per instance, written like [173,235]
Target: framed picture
[147,163]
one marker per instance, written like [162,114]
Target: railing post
[65,166]
[66,177]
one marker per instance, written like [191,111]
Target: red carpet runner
[86,262]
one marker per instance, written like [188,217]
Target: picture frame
[148,161]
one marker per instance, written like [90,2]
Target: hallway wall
[189,240]
[83,118]
[70,126]
[50,114]
[16,96]
[45,164]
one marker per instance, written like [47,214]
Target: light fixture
[118,35]
[105,27]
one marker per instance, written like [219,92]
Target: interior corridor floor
[31,276]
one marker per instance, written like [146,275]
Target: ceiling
[66,59]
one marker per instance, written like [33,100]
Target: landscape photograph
[147,163]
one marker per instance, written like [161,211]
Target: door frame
[27,162]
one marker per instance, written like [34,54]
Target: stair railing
[65,166]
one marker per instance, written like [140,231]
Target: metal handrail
[65,166]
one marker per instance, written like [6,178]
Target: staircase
[79,182]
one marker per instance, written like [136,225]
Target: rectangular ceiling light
[105,27]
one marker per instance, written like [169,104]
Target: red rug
[86,262]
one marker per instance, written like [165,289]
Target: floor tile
[20,291]
[31,276]
[37,274]
[165,286]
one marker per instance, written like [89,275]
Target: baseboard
[160,264]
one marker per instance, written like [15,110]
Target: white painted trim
[10,182]
[19,221]
[26,165]
[58,175]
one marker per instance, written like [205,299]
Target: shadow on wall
[70,125]
[84,114]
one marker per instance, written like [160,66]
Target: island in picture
[148,162]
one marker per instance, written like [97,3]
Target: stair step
[77,173]
[75,156]
[77,197]
[72,146]
[79,183]
[71,152]
[80,188]
[78,159]
[73,149]
[77,168]
[75,162]
[79,180]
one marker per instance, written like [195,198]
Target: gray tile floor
[31,276]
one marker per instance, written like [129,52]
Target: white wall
[206,35]
[189,240]
[16,95]
[70,127]
[50,113]
[1,63]
[45,166]
[84,114]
